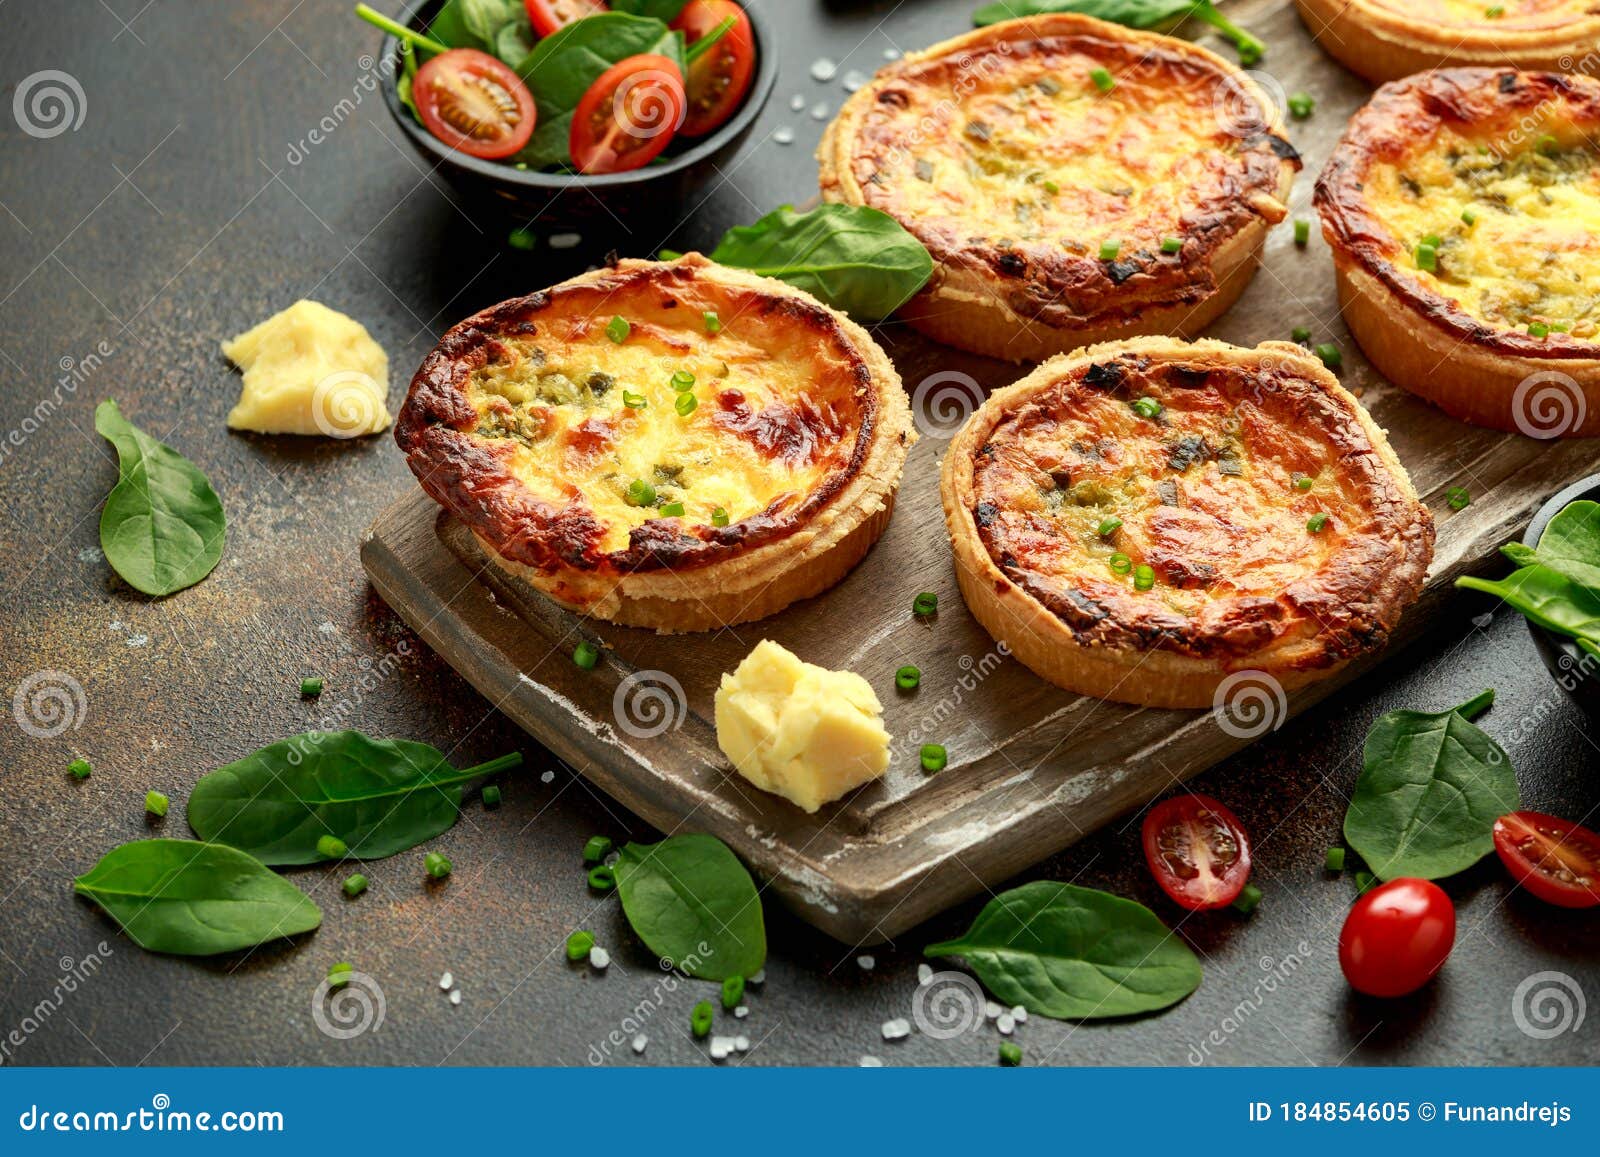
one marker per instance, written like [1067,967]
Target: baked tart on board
[1388,39]
[1074,180]
[675,445]
[1463,211]
[1141,520]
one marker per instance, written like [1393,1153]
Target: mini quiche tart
[1074,180]
[1141,520]
[1387,39]
[672,445]
[1463,210]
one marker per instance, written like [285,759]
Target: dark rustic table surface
[185,197]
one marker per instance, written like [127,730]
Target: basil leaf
[1075,953]
[195,899]
[854,258]
[564,64]
[1430,789]
[162,528]
[380,796]
[1570,545]
[692,902]
[665,11]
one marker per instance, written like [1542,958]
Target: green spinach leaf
[1569,545]
[856,259]
[692,902]
[1161,15]
[162,528]
[1430,789]
[665,11]
[1075,953]
[564,64]
[380,796]
[195,899]
[1547,598]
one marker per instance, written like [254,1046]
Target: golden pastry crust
[1388,39]
[1060,489]
[759,474]
[1002,153]
[1463,211]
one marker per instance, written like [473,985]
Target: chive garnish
[331,847]
[634,401]
[1302,232]
[1300,333]
[339,974]
[1120,563]
[1171,244]
[1330,355]
[1146,407]
[1103,80]
[1301,104]
[700,1016]
[310,687]
[682,380]
[925,604]
[1303,482]
[672,510]
[685,403]
[1109,250]
[1333,860]
[907,678]
[1469,216]
[521,239]
[732,991]
[934,757]
[1010,1054]
[596,848]
[1052,188]
[491,796]
[641,493]
[80,768]
[436,865]
[354,885]
[155,803]
[586,655]
[602,878]
[1538,329]
[719,517]
[1457,498]
[579,943]
[1427,257]
[1108,526]
[1316,522]
[1247,900]
[617,329]
[713,322]
[1144,577]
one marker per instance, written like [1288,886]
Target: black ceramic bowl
[1575,670]
[562,201]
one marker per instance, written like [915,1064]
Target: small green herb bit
[1333,860]
[586,655]
[1301,104]
[685,403]
[331,847]
[1547,145]
[1469,216]
[618,329]
[1245,903]
[1300,333]
[1144,577]
[1538,329]
[1120,563]
[1364,882]
[1457,498]
[521,239]
[1330,355]
[672,510]
[907,678]
[1010,1054]
[80,768]
[491,796]
[934,757]
[713,322]
[682,380]
[1108,526]
[1171,244]
[355,885]
[602,878]
[578,944]
[732,991]
[1316,522]
[1052,188]
[1103,80]
[155,803]
[1303,482]
[1109,250]
[634,401]
[700,1018]
[311,687]
[1146,407]
[436,865]
[1427,257]
[1494,11]
[641,493]
[597,848]
[1302,232]
[925,604]
[339,974]
[719,517]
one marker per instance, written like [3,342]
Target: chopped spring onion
[641,493]
[1247,900]
[491,796]
[617,329]
[672,510]
[311,687]
[682,380]
[685,403]
[1427,257]
[907,678]
[1303,483]
[355,885]
[1146,407]
[1333,859]
[586,655]
[1302,232]
[719,517]
[700,1018]
[1469,216]
[1144,577]
[1109,250]
[1300,333]
[332,847]
[1108,526]
[1457,498]
[925,604]
[597,848]
[1171,244]
[1316,522]
[1538,329]
[1301,104]
[155,803]
[732,991]
[438,866]
[602,878]
[80,768]
[1330,355]
[934,757]
[634,401]
[1120,563]
[1010,1054]
[1364,882]
[521,239]
[339,975]
[1103,80]
[713,322]
[578,944]
[1052,188]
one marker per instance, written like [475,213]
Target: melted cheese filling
[588,420]
[1515,238]
[1474,14]
[1039,153]
[1214,495]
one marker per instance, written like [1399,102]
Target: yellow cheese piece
[310,370]
[798,730]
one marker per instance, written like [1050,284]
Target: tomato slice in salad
[548,15]
[1197,850]
[628,115]
[474,103]
[720,76]
[1555,859]
[1396,937]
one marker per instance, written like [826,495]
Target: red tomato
[628,115]
[472,102]
[548,15]
[1197,850]
[722,75]
[1556,860]
[1396,937]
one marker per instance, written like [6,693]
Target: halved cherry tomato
[472,102]
[1197,850]
[548,15]
[1396,937]
[628,115]
[721,76]
[1556,860]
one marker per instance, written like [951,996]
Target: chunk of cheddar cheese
[310,370]
[801,731]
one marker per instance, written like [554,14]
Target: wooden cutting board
[1032,768]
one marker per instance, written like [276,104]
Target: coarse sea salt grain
[759,976]
[455,996]
[1019,1014]
[547,777]
[599,957]
[867,963]
[797,102]
[1006,1023]
[891,54]
[870,1062]
[721,1046]
[854,79]
[565,240]
[742,1043]
[924,975]
[822,69]
[896,1029]
[447,981]
[639,1042]
[991,1010]
[819,111]
[783,135]
[743,1010]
